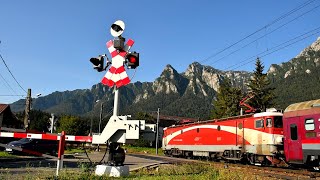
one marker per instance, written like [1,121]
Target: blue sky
[47,44]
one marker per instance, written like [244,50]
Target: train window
[278,121]
[309,124]
[269,122]
[293,132]
[259,123]
[240,125]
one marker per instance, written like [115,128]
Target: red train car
[301,125]
[254,138]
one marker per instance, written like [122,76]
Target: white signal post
[119,128]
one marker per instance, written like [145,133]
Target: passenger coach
[302,133]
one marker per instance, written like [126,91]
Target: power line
[271,23]
[262,54]
[7,84]
[12,95]
[12,74]
[265,34]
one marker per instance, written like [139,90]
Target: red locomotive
[254,138]
[259,138]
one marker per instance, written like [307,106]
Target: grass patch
[163,172]
[6,155]
[74,150]
[145,150]
[192,171]
[128,148]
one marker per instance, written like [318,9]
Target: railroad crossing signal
[98,63]
[118,128]
[132,60]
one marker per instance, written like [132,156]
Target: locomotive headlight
[279,139]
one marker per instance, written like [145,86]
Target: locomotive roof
[303,105]
[268,114]
[232,117]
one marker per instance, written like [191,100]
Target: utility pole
[27,110]
[157,133]
[101,110]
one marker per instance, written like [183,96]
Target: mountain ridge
[188,94]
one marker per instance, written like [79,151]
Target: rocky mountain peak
[193,69]
[168,82]
[168,73]
[307,58]
[315,46]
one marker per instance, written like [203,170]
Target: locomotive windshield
[278,122]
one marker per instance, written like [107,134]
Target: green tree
[227,101]
[39,120]
[73,125]
[145,116]
[259,86]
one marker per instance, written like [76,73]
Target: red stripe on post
[114,54]
[61,144]
[123,53]
[123,82]
[112,70]
[107,82]
[130,42]
[119,70]
[109,43]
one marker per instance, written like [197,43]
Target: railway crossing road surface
[27,164]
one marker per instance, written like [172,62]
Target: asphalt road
[27,164]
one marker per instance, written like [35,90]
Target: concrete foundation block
[112,171]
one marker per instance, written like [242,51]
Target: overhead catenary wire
[279,47]
[260,29]
[4,62]
[267,34]
[7,84]
[11,95]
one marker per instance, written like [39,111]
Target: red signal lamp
[132,59]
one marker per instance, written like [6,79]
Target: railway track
[263,171]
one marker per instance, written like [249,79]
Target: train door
[293,146]
[240,135]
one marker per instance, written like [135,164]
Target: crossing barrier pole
[61,152]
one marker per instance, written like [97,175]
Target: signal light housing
[132,59]
[118,43]
[98,63]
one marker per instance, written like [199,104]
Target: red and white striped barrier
[46,136]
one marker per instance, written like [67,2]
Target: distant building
[7,118]
[165,121]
